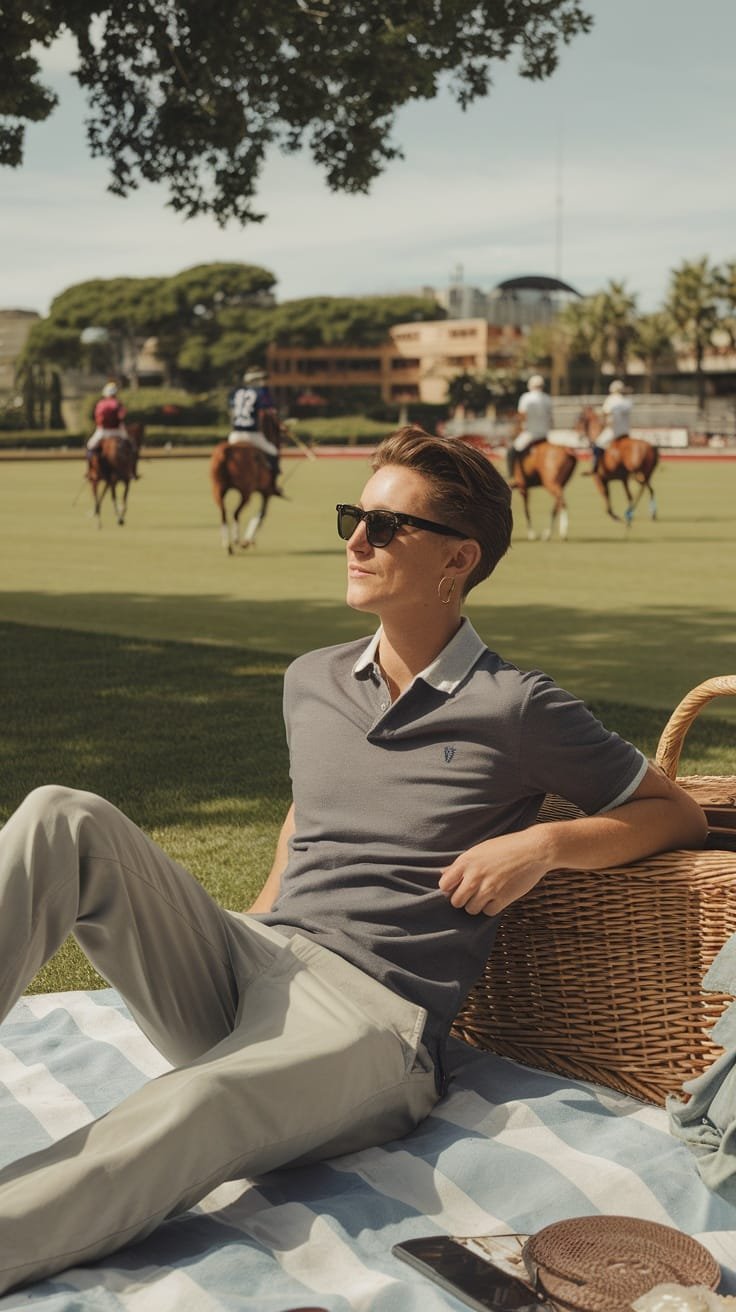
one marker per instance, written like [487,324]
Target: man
[616,410]
[248,404]
[110,422]
[535,412]
[315,1024]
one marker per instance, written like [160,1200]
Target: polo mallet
[309,453]
[79,490]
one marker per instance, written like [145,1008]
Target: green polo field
[145,664]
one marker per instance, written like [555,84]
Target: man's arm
[270,890]
[658,817]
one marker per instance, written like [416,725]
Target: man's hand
[658,817]
[487,878]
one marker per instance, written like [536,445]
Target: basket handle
[673,734]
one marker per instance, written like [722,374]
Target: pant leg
[70,862]
[322,1060]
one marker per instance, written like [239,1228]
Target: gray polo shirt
[386,795]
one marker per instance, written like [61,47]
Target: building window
[357,364]
[404,362]
[307,366]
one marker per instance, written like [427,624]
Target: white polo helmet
[255,375]
[616,386]
[110,389]
[536,382]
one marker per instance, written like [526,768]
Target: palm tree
[584,328]
[653,342]
[692,304]
[617,309]
[727,291]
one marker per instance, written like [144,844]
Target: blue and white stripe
[508,1149]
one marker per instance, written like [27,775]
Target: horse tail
[135,432]
[219,474]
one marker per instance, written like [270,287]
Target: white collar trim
[447,670]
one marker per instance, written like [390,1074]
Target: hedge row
[347,430]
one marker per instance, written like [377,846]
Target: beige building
[414,363]
[15,326]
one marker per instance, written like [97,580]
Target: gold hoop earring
[445,601]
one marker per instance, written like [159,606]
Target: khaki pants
[284,1052]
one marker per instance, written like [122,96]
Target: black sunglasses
[381,525]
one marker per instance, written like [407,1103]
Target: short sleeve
[565,750]
[523,405]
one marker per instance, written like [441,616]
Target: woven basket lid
[603,1263]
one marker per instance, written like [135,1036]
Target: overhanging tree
[194,96]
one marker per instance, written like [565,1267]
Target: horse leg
[564,521]
[99,497]
[632,504]
[531,535]
[644,486]
[602,486]
[238,539]
[255,522]
[631,508]
[218,495]
[558,516]
[123,504]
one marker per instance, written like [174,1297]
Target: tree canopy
[183,94]
[209,322]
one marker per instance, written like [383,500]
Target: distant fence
[667,421]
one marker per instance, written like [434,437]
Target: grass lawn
[145,664]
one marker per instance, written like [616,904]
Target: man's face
[405,574]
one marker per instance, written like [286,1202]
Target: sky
[635,132]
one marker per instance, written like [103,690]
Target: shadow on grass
[649,658]
[187,737]
[169,732]
[192,731]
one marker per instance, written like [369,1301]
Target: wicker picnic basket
[598,974]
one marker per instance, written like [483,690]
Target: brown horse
[114,462]
[547,465]
[625,457]
[245,469]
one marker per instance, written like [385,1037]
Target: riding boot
[275,463]
[510,463]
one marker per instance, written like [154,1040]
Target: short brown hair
[467,492]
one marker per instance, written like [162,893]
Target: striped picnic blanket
[509,1149]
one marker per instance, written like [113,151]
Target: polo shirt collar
[447,670]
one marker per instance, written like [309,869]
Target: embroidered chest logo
[449,753]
